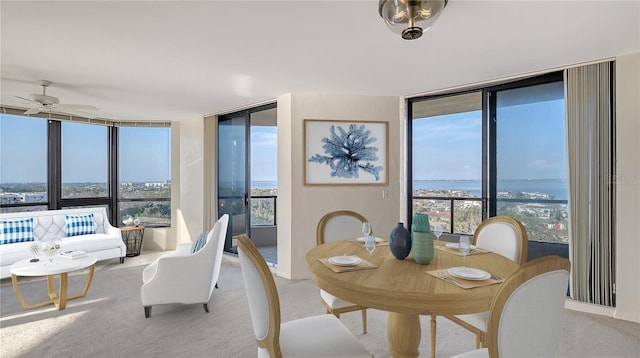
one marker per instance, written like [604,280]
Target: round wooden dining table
[404,289]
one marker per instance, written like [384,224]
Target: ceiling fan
[45,103]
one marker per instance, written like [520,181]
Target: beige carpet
[109,322]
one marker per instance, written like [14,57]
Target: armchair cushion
[199,242]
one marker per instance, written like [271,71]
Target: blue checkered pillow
[16,231]
[80,224]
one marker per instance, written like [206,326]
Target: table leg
[58,299]
[403,332]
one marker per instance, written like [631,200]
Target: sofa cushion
[199,243]
[92,242]
[15,252]
[80,224]
[12,231]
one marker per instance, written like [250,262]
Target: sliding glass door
[247,177]
[233,197]
[531,159]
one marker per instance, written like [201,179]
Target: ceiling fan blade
[27,99]
[62,106]
[32,111]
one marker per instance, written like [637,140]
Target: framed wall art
[339,152]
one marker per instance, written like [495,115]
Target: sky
[264,156]
[145,152]
[531,139]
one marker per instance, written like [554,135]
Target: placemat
[475,251]
[363,265]
[460,282]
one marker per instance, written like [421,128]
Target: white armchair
[184,277]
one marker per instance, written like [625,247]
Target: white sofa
[106,243]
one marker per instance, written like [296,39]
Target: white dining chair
[315,336]
[339,225]
[504,236]
[525,318]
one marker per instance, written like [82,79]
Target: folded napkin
[455,251]
[363,265]
[461,282]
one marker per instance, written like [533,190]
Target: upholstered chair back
[218,237]
[340,225]
[525,319]
[264,304]
[503,235]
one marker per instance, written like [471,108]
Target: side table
[132,237]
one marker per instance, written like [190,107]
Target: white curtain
[590,145]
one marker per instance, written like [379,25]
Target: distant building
[35,197]
[11,198]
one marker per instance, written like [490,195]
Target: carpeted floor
[109,322]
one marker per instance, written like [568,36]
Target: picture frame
[343,152]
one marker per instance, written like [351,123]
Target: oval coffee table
[61,266]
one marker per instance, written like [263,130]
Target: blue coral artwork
[343,152]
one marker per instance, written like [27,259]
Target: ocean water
[264,185]
[555,187]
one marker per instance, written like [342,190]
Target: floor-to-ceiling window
[446,164]
[23,164]
[531,159]
[85,161]
[56,164]
[144,174]
[497,150]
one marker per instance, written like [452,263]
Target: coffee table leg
[86,285]
[58,299]
[403,332]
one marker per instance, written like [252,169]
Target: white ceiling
[162,60]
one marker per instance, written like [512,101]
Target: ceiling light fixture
[410,18]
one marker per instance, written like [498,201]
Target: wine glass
[437,230]
[464,245]
[369,241]
[370,245]
[366,229]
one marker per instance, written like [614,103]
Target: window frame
[489,139]
[55,201]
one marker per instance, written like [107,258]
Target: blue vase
[400,242]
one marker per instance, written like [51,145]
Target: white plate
[344,260]
[363,239]
[454,245]
[468,273]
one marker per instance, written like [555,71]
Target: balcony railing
[264,211]
[545,219]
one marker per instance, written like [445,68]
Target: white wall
[300,207]
[187,199]
[628,187]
